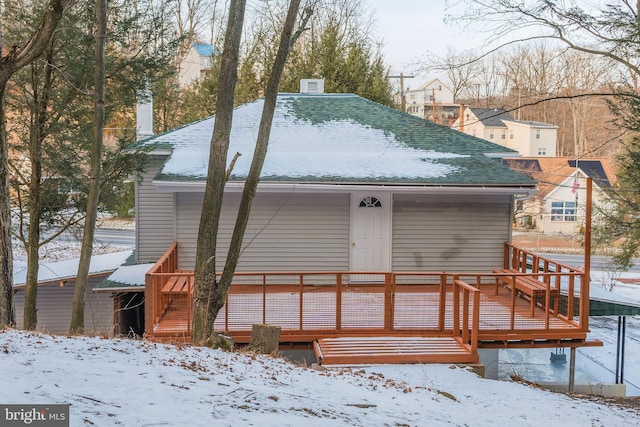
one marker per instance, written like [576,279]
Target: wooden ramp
[368,350]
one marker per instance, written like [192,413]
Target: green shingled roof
[342,138]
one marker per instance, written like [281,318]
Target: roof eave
[346,187]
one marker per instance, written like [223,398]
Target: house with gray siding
[347,185]
[56,285]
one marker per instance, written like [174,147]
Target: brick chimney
[461,126]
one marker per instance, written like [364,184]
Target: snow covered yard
[112,382]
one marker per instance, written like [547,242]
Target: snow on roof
[61,270]
[368,156]
[338,137]
[126,277]
[307,149]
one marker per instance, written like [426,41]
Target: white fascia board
[272,187]
[503,155]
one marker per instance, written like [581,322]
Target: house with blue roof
[196,63]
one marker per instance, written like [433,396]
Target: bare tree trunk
[37,137]
[205,268]
[11,62]
[260,152]
[205,311]
[7,314]
[77,311]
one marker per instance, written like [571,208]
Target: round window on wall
[370,202]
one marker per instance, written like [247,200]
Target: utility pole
[403,101]
[433,105]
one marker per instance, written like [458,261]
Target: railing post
[264,299]
[475,326]
[149,304]
[570,297]
[456,307]
[442,301]
[389,290]
[301,312]
[338,301]
[505,256]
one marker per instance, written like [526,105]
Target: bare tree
[10,62]
[210,293]
[77,311]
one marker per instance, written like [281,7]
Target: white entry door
[370,232]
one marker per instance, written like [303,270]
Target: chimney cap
[312,86]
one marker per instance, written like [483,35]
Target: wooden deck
[358,350]
[402,317]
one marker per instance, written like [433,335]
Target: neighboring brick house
[559,204]
[529,138]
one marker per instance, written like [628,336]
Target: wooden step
[368,350]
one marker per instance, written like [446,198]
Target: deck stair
[368,350]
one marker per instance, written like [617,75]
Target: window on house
[537,133]
[504,134]
[473,132]
[510,134]
[491,134]
[563,211]
[542,151]
[370,202]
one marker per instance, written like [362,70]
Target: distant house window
[542,151]
[504,134]
[473,132]
[491,134]
[537,133]
[563,211]
[510,134]
[370,202]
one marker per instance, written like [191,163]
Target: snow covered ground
[134,383]
[111,382]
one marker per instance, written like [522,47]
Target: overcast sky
[412,28]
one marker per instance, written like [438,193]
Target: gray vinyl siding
[154,216]
[54,305]
[432,233]
[286,232]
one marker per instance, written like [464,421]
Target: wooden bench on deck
[528,285]
[178,285]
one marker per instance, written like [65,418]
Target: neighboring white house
[529,138]
[559,204]
[429,97]
[197,63]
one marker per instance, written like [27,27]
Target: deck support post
[572,369]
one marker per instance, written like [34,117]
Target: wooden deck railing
[572,282]
[472,307]
[154,280]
